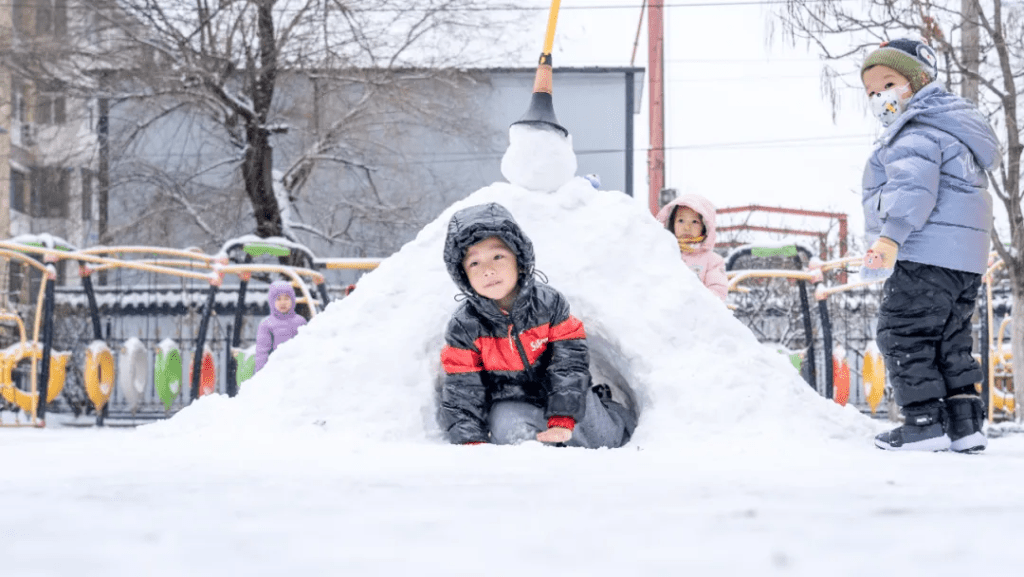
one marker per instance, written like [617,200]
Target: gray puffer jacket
[535,353]
[925,185]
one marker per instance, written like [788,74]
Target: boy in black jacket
[516,362]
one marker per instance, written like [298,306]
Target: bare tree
[226,81]
[981,44]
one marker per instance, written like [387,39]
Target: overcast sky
[746,119]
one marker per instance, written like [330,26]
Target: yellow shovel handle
[549,38]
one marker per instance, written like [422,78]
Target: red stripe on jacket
[457,361]
[569,329]
[501,354]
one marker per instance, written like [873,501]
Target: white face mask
[888,105]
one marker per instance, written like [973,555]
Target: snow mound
[366,369]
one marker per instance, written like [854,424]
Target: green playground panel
[167,376]
[262,248]
[246,367]
[764,251]
[796,360]
[60,247]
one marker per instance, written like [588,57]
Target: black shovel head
[541,114]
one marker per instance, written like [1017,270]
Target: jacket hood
[476,223]
[701,206]
[280,287]
[935,107]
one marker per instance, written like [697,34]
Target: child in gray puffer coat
[928,212]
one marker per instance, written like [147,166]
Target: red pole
[655,70]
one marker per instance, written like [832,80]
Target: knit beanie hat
[911,58]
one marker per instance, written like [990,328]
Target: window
[52,17]
[92,28]
[50,107]
[23,281]
[17,189]
[49,196]
[19,113]
[90,113]
[86,195]
[20,104]
[20,13]
[16,274]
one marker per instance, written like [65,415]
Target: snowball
[538,159]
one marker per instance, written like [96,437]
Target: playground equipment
[9,359]
[207,372]
[132,369]
[128,367]
[39,350]
[996,358]
[102,367]
[245,361]
[836,369]
[792,253]
[821,235]
[841,375]
[874,376]
[167,372]
[1002,396]
[99,373]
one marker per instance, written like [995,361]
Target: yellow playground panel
[1000,359]
[874,377]
[9,359]
[99,373]
[28,401]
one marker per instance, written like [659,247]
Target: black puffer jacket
[537,353]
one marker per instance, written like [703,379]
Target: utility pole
[655,70]
[969,49]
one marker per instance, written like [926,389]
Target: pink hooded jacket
[710,267]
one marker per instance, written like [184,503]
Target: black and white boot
[966,415]
[923,429]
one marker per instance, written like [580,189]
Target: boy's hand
[554,435]
[882,254]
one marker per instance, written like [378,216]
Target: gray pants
[513,422]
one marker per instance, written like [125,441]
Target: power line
[691,61]
[737,60]
[450,157]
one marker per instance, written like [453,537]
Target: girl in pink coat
[691,218]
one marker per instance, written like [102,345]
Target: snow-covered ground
[113,503]
[330,460]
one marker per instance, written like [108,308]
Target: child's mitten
[882,254]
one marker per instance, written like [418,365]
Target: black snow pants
[924,331]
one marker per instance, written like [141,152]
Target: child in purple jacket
[281,325]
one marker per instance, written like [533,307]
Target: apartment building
[48,144]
